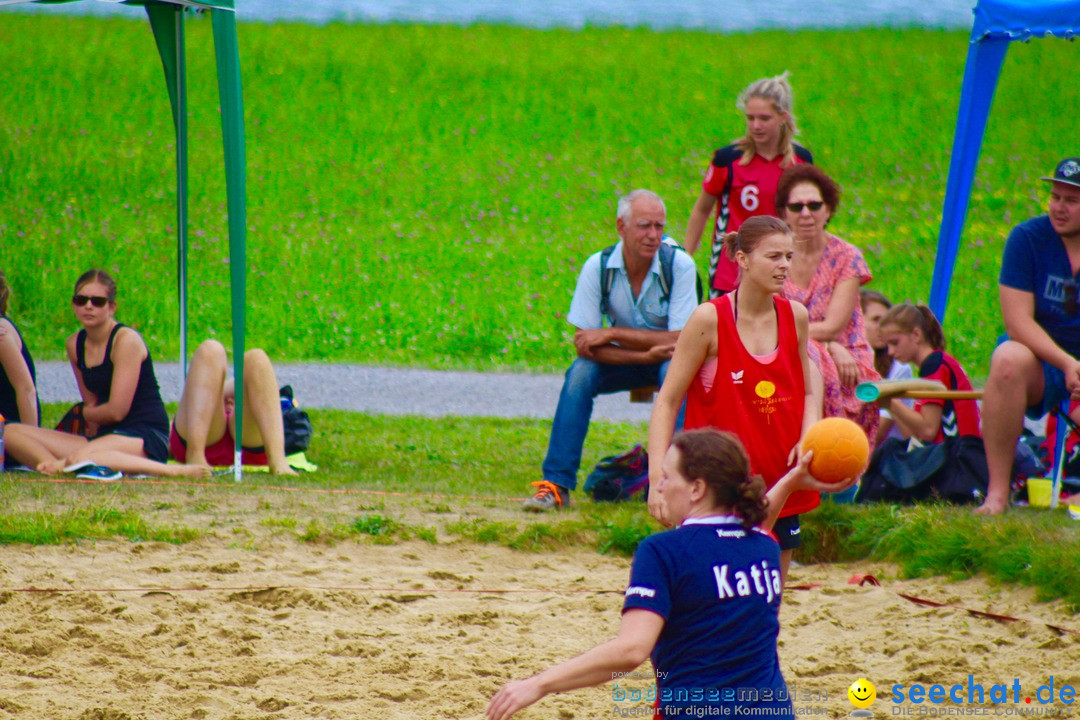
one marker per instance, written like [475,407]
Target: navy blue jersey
[1036,261]
[717,586]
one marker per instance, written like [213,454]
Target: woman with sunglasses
[826,274]
[121,401]
[18,388]
[742,177]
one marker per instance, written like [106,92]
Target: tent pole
[984,61]
[232,130]
[182,186]
[167,23]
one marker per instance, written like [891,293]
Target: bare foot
[992,506]
[192,471]
[285,469]
[51,467]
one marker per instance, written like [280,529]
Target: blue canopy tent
[167,24]
[997,23]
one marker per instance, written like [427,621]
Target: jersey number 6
[749,197]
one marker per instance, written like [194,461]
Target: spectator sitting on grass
[1038,365]
[874,307]
[635,348]
[18,388]
[123,410]
[204,429]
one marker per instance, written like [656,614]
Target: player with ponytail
[703,599]
[914,335]
[741,362]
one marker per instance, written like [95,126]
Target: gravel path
[390,391]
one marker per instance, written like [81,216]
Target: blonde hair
[777,90]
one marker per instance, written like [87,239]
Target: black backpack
[667,274]
[296,422]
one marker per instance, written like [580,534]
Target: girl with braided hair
[703,599]
[914,335]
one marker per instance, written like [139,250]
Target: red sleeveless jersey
[761,403]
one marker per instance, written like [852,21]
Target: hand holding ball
[840,447]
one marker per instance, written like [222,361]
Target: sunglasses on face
[798,207]
[95,300]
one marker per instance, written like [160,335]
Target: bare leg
[262,411]
[200,418]
[785,563]
[41,448]
[1015,382]
[126,455]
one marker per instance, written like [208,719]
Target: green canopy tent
[167,23]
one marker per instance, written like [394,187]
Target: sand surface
[219,629]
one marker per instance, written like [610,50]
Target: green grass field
[425,195]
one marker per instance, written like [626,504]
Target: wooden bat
[914,388]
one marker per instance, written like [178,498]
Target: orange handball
[840,447]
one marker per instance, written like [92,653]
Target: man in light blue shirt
[635,347]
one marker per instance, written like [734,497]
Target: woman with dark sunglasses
[18,388]
[826,274]
[121,401]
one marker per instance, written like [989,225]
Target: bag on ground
[954,471]
[297,423]
[620,477]
[73,422]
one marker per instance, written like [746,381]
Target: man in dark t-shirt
[1038,366]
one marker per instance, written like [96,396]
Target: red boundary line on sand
[867,579]
[256,486]
[858,579]
[263,588]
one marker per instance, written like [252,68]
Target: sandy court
[417,630]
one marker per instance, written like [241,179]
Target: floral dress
[839,261]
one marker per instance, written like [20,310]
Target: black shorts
[787,531]
[155,442]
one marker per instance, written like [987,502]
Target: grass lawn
[424,195]
[388,479]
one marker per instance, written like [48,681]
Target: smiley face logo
[765,389]
[862,693]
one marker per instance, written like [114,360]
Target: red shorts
[218,454]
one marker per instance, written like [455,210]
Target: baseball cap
[1067,171]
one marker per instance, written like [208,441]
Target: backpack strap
[607,278]
[667,273]
[667,270]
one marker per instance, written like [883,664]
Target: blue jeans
[584,381]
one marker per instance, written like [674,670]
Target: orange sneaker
[549,496]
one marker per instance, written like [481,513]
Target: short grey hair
[623,210]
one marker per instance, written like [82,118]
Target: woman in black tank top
[121,401]
[18,389]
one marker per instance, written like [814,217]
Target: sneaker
[100,473]
[549,496]
[81,465]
